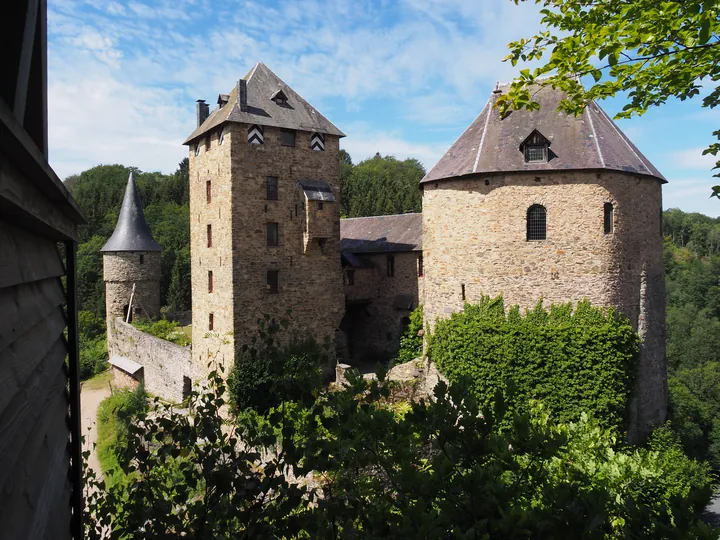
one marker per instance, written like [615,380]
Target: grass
[101,380]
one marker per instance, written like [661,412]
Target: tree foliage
[648,50]
[382,185]
[443,470]
[411,342]
[573,360]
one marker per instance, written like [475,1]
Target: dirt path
[91,394]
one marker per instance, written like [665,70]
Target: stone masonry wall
[212,165]
[121,271]
[164,364]
[373,322]
[310,275]
[474,243]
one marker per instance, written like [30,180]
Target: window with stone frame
[390,262]
[536,222]
[287,137]
[271,185]
[273,281]
[608,218]
[272,234]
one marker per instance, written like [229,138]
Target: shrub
[164,329]
[93,344]
[444,469]
[574,361]
[411,342]
[269,373]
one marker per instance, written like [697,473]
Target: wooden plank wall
[35,490]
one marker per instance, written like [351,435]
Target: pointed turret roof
[492,144]
[262,86]
[131,232]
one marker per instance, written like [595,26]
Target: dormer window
[280,98]
[535,148]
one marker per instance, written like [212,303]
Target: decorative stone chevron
[317,142]
[256,134]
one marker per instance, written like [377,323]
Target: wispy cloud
[693,158]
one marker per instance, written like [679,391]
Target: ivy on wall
[574,360]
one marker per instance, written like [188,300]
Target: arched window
[536,222]
[608,218]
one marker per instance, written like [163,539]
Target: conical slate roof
[131,232]
[492,143]
[262,86]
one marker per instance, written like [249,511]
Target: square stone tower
[264,217]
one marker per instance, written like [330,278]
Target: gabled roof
[262,84]
[589,141]
[381,234]
[131,232]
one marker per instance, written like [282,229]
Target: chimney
[203,111]
[242,94]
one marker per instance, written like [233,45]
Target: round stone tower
[131,263]
[538,204]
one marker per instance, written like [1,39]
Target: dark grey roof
[589,141]
[131,232]
[317,190]
[262,84]
[354,261]
[381,234]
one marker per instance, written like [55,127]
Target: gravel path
[90,398]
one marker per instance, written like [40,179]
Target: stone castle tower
[543,205]
[131,263]
[264,217]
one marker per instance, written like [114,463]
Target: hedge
[573,360]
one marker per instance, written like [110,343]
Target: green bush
[270,373]
[574,361]
[93,344]
[114,416]
[164,329]
[411,342]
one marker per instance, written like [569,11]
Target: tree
[346,167]
[651,49]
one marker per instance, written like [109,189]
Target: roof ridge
[383,215]
[624,138]
[482,138]
[597,141]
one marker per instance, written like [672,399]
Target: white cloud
[692,158]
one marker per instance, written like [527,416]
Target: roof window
[280,98]
[536,148]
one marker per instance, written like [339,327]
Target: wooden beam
[26,54]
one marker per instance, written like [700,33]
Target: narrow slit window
[420,265]
[320,205]
[390,266]
[207,143]
[271,183]
[272,234]
[209,235]
[142,259]
[210,281]
[273,281]
[349,277]
[208,191]
[211,322]
[608,218]
[536,222]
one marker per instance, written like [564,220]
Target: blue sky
[400,77]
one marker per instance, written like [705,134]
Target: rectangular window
[608,218]
[320,205]
[208,191]
[390,266]
[209,235]
[142,259]
[420,265]
[272,188]
[211,322]
[273,281]
[210,281]
[207,143]
[272,234]
[349,277]
[535,153]
[287,137]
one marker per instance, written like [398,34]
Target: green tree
[383,185]
[346,167]
[648,50]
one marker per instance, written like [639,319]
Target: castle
[531,205]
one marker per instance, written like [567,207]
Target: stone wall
[474,243]
[167,368]
[376,305]
[123,379]
[309,275]
[121,271]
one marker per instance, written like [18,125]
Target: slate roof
[131,232]
[262,85]
[317,190]
[381,234]
[492,144]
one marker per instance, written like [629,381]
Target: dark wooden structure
[40,465]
